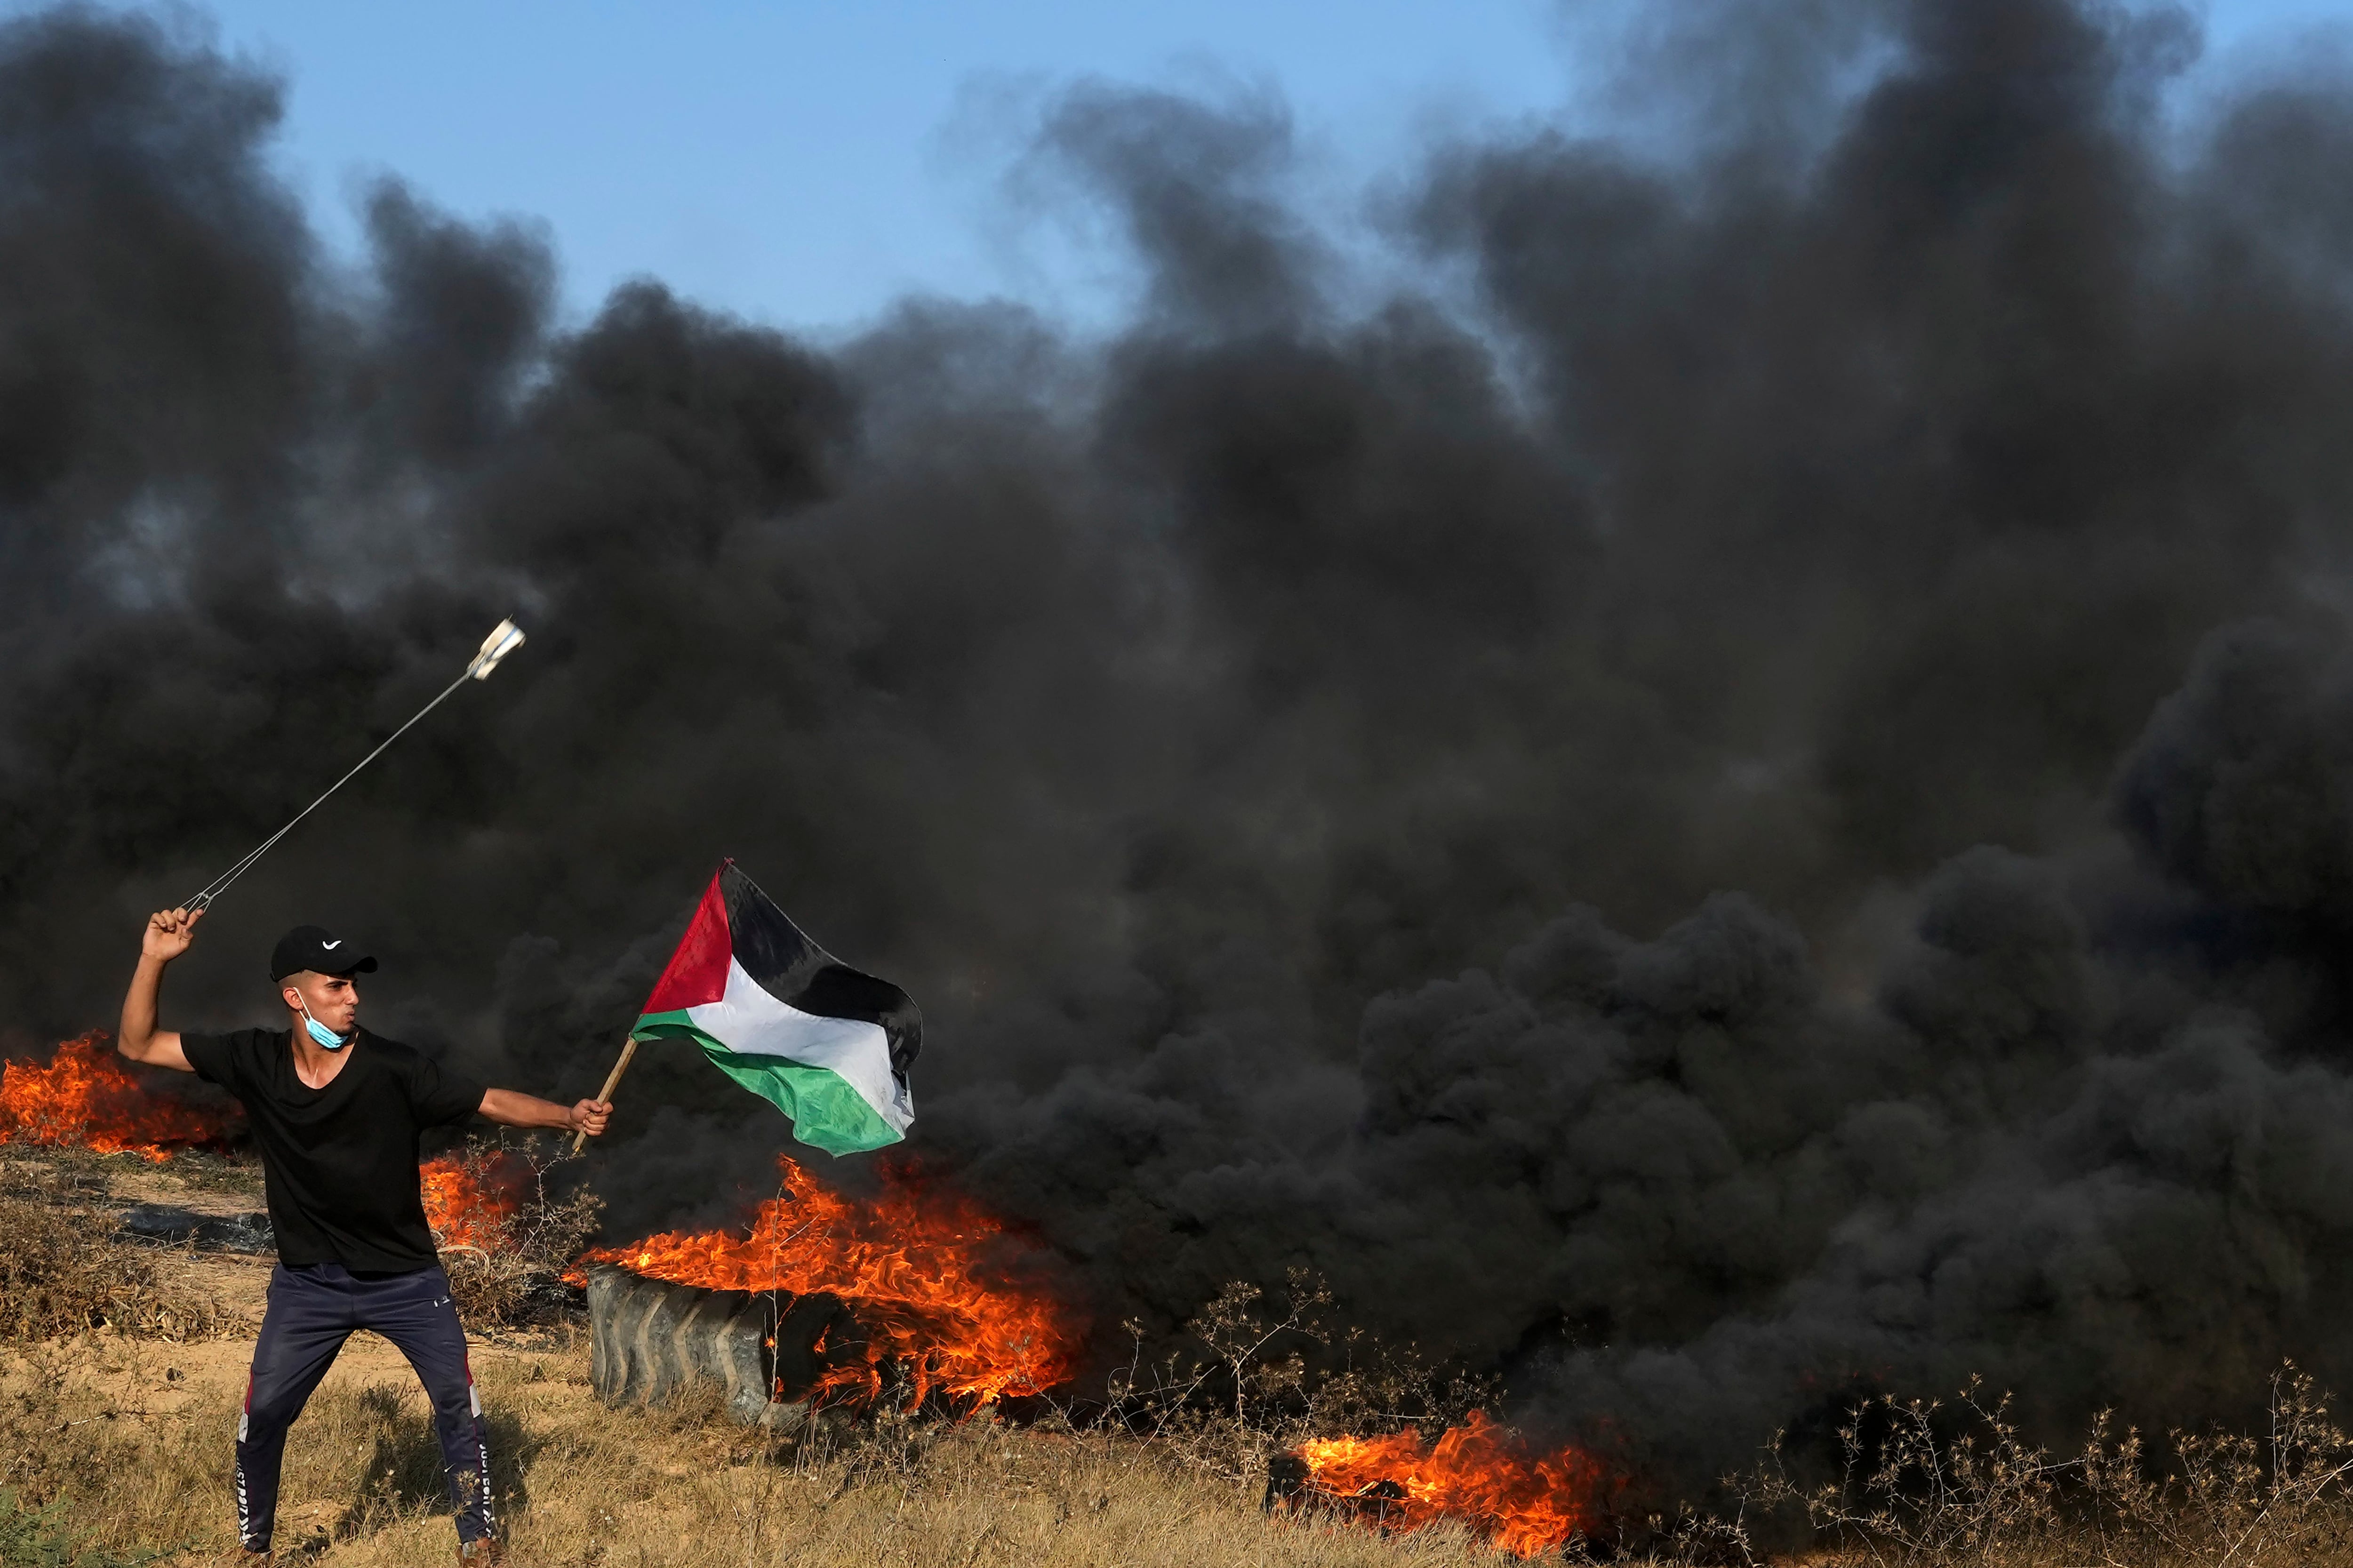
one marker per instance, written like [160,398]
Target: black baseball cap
[318,949]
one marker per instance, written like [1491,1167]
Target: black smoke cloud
[1302,753]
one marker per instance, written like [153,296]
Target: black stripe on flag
[796,972]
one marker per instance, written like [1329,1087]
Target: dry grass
[115,1445]
[125,1442]
[138,1462]
[61,1271]
[116,1416]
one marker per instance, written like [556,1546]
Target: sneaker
[472,1553]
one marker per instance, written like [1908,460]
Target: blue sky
[805,163]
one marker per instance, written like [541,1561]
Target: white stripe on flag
[750,1021]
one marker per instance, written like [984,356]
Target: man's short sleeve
[437,1097]
[214,1056]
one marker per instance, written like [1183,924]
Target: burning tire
[650,1341]
[907,1297]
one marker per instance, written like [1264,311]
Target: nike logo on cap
[331,946]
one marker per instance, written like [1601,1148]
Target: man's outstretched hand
[168,933]
[505,1106]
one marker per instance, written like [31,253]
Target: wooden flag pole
[612,1080]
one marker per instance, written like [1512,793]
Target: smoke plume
[1742,785]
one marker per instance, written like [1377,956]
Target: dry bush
[1921,1482]
[506,1257]
[1271,1370]
[62,1272]
[1936,1487]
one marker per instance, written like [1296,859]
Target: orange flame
[1480,1472]
[471,1203]
[83,1098]
[914,1267]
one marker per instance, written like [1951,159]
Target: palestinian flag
[828,1045]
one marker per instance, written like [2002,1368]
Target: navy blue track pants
[312,1310]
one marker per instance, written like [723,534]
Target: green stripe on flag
[827,1113]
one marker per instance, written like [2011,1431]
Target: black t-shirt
[340,1163]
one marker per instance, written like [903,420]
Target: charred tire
[650,1341]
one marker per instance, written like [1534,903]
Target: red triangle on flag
[698,969]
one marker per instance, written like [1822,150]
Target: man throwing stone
[337,1111]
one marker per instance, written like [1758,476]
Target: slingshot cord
[220,884]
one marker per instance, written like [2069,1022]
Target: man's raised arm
[168,934]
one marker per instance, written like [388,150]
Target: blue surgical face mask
[326,1038]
